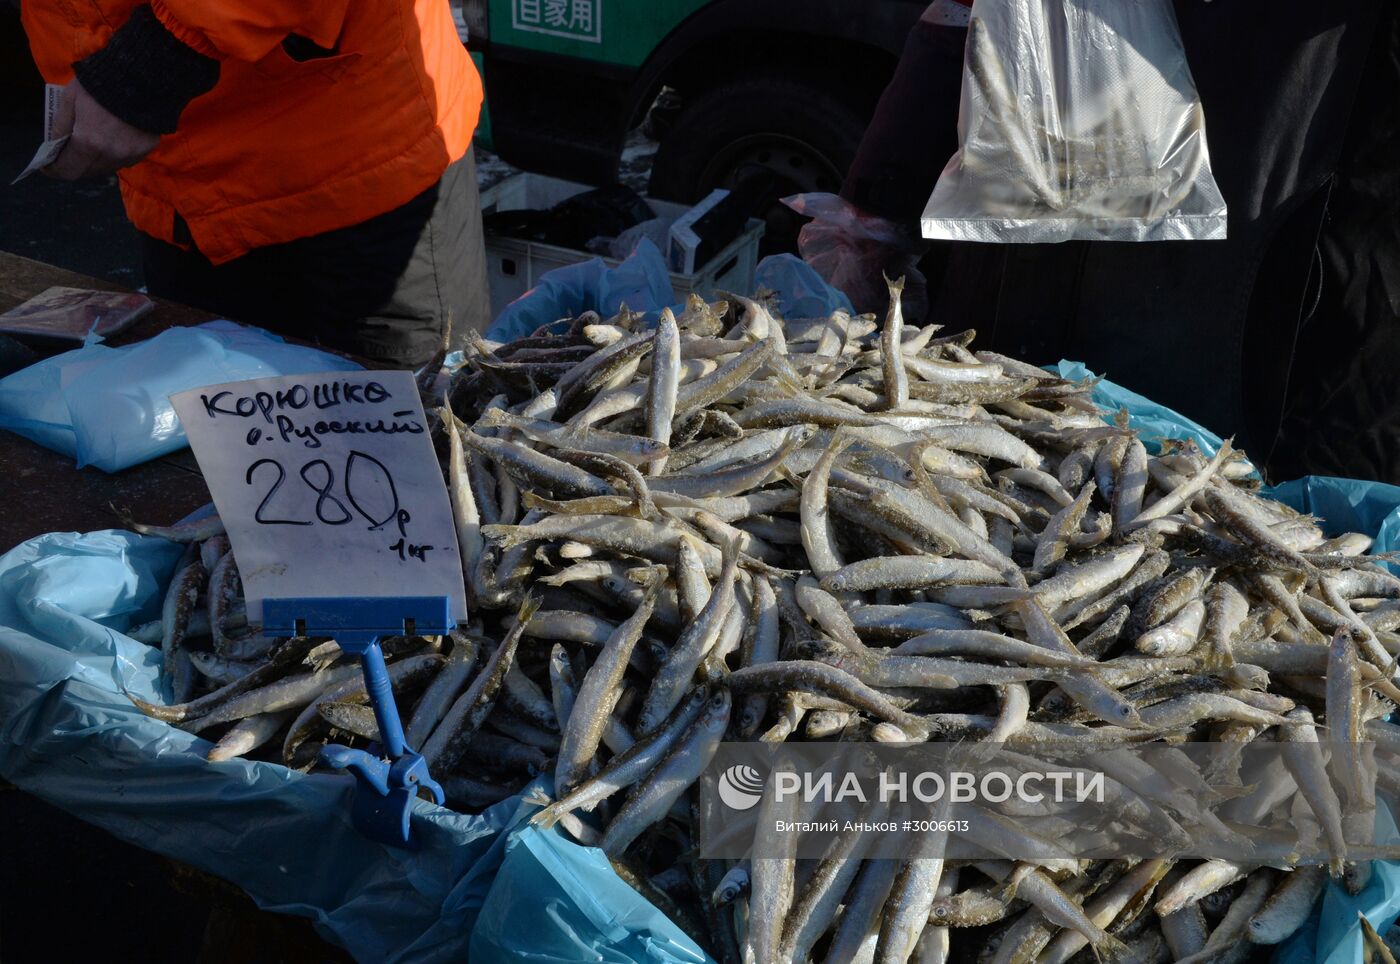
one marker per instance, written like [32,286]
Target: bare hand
[100,142]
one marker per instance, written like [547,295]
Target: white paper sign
[52,146]
[327,485]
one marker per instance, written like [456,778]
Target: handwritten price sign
[327,485]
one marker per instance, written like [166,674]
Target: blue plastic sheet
[1347,505]
[110,407]
[641,282]
[802,293]
[554,901]
[1144,415]
[68,734]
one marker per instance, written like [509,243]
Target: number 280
[368,487]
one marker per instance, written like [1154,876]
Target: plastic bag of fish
[731,526]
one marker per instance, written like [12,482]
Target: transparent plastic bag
[1079,120]
[853,251]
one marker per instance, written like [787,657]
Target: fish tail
[528,607]
[547,817]
[1110,948]
[491,418]
[166,714]
[1006,893]
[538,797]
[502,535]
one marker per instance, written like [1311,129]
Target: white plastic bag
[1079,120]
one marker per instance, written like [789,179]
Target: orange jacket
[282,149]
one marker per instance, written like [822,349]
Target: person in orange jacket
[303,166]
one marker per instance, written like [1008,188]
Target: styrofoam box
[514,266]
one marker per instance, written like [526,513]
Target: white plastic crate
[513,266]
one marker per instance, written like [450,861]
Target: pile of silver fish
[730,526]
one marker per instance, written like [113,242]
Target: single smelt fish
[248,734]
[664,385]
[449,741]
[598,694]
[654,796]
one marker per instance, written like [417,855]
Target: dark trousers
[389,289]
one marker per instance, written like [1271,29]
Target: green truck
[776,89]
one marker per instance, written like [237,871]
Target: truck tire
[791,129]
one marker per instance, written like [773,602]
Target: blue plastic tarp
[801,291]
[68,734]
[110,407]
[641,282]
[554,901]
[1347,505]
[1144,415]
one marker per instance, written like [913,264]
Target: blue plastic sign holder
[385,782]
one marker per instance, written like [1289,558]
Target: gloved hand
[854,251]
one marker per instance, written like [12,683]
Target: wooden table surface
[42,490]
